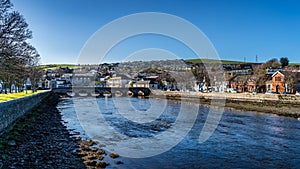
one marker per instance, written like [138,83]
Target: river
[153,133]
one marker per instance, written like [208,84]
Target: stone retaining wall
[11,110]
[233,96]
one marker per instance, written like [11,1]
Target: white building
[142,83]
[28,84]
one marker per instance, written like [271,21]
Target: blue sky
[237,28]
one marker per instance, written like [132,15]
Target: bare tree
[273,63]
[290,77]
[259,75]
[16,55]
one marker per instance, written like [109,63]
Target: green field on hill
[57,66]
[294,64]
[211,61]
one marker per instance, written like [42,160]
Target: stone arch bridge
[103,91]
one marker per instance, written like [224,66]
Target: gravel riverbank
[40,140]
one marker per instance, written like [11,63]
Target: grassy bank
[12,96]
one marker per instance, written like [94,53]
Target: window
[269,87]
[277,79]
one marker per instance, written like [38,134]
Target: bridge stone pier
[103,91]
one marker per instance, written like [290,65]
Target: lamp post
[4,86]
[1,86]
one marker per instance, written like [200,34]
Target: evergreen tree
[284,61]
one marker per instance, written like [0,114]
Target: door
[277,89]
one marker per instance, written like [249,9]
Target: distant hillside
[210,61]
[205,61]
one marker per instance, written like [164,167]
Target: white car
[232,90]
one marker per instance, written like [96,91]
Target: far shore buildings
[238,78]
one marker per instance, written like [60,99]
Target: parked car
[270,93]
[232,90]
[286,93]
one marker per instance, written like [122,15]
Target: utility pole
[256,59]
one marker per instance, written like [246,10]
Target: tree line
[18,58]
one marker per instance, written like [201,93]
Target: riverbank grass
[12,96]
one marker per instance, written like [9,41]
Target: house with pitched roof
[276,83]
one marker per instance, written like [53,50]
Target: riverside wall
[12,110]
[232,96]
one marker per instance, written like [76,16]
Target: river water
[152,133]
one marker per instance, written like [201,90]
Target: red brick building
[243,84]
[276,83]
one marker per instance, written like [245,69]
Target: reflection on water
[241,140]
